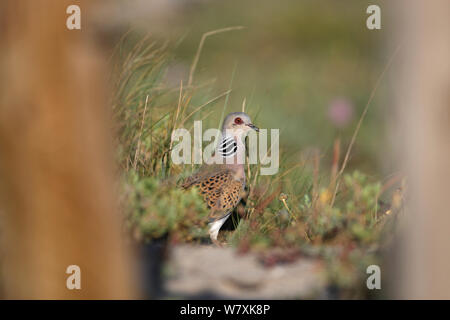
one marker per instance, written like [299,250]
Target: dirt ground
[213,272]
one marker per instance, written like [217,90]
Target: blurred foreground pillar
[423,98]
[57,201]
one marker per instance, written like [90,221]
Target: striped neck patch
[228,147]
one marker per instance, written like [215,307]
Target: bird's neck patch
[228,147]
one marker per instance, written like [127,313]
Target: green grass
[308,208]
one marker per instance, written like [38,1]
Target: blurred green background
[305,67]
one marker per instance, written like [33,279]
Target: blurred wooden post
[423,91]
[56,187]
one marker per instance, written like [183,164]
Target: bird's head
[238,123]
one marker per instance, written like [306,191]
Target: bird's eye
[238,120]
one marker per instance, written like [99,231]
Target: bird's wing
[220,190]
[228,198]
[203,173]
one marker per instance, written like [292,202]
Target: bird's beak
[251,125]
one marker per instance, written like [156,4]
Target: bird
[222,183]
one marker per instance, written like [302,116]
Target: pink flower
[340,112]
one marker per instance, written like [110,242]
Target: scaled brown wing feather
[220,191]
[229,197]
[203,173]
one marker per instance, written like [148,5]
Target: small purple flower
[340,112]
